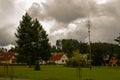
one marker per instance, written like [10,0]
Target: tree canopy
[118,39]
[99,49]
[32,40]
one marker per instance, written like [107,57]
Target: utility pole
[89,42]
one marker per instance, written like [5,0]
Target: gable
[6,56]
[56,57]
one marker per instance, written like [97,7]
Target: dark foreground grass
[59,72]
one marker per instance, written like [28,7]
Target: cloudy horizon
[63,19]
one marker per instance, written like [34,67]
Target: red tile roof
[6,56]
[56,57]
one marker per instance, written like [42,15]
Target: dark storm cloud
[67,11]
[104,19]
[107,26]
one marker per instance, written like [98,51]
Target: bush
[78,60]
[74,63]
[37,66]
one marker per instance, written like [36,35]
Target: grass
[59,72]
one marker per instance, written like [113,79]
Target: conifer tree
[118,39]
[32,41]
[41,41]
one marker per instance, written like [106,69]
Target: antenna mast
[89,42]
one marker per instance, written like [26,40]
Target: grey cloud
[105,23]
[6,10]
[107,26]
[78,35]
[105,19]
[105,29]
[67,11]
[78,32]
[112,8]
[7,22]
[7,6]
[7,34]
[35,11]
[58,26]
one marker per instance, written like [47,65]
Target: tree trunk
[29,62]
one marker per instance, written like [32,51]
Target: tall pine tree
[32,41]
[41,41]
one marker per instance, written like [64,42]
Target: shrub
[78,60]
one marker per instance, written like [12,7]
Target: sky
[63,19]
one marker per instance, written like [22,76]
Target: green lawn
[59,72]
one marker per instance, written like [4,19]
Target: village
[59,39]
[9,57]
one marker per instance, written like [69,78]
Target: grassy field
[59,72]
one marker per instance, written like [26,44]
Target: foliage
[32,41]
[24,37]
[118,39]
[78,60]
[118,48]
[59,45]
[100,50]
[83,48]
[41,41]
[69,45]
[53,49]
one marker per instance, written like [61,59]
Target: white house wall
[62,60]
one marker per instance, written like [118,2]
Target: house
[113,60]
[7,57]
[59,59]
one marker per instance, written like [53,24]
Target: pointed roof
[6,56]
[56,57]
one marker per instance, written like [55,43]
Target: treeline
[99,50]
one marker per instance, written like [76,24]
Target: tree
[68,46]
[24,37]
[102,50]
[53,49]
[40,41]
[59,45]
[78,60]
[83,48]
[117,39]
[32,41]
[37,66]
[118,48]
